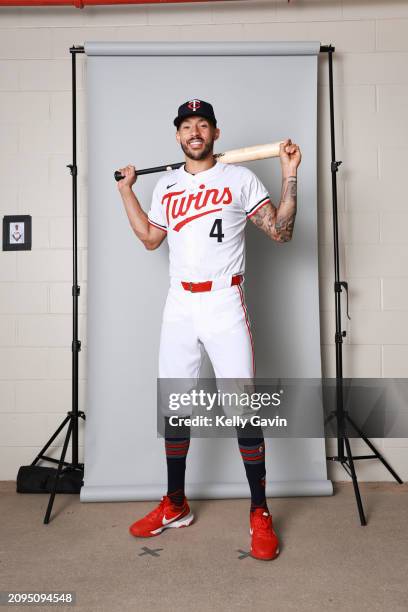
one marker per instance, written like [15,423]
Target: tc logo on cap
[195,107]
[194,104]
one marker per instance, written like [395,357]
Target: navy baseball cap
[195,107]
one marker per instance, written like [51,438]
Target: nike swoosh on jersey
[172,185]
[167,521]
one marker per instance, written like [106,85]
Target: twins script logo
[195,205]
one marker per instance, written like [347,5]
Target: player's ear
[178,136]
[217,133]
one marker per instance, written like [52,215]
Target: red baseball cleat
[265,544]
[164,516]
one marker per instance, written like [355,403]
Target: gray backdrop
[262,92]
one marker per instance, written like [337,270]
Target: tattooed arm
[278,222]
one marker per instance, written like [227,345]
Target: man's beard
[198,155]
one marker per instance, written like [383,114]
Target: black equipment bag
[38,479]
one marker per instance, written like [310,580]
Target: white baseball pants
[216,321]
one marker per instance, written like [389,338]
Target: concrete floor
[328,561]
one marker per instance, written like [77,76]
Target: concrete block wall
[371,99]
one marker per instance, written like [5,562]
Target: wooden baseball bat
[249,153]
[233,156]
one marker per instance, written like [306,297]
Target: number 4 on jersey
[216,230]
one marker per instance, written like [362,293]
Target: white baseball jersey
[204,216]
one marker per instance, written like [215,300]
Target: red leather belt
[207,285]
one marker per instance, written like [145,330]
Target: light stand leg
[377,454]
[59,470]
[355,483]
[50,441]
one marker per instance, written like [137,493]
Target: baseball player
[202,208]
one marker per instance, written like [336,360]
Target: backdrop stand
[74,415]
[341,415]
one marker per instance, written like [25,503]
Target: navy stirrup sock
[176,454]
[253,455]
